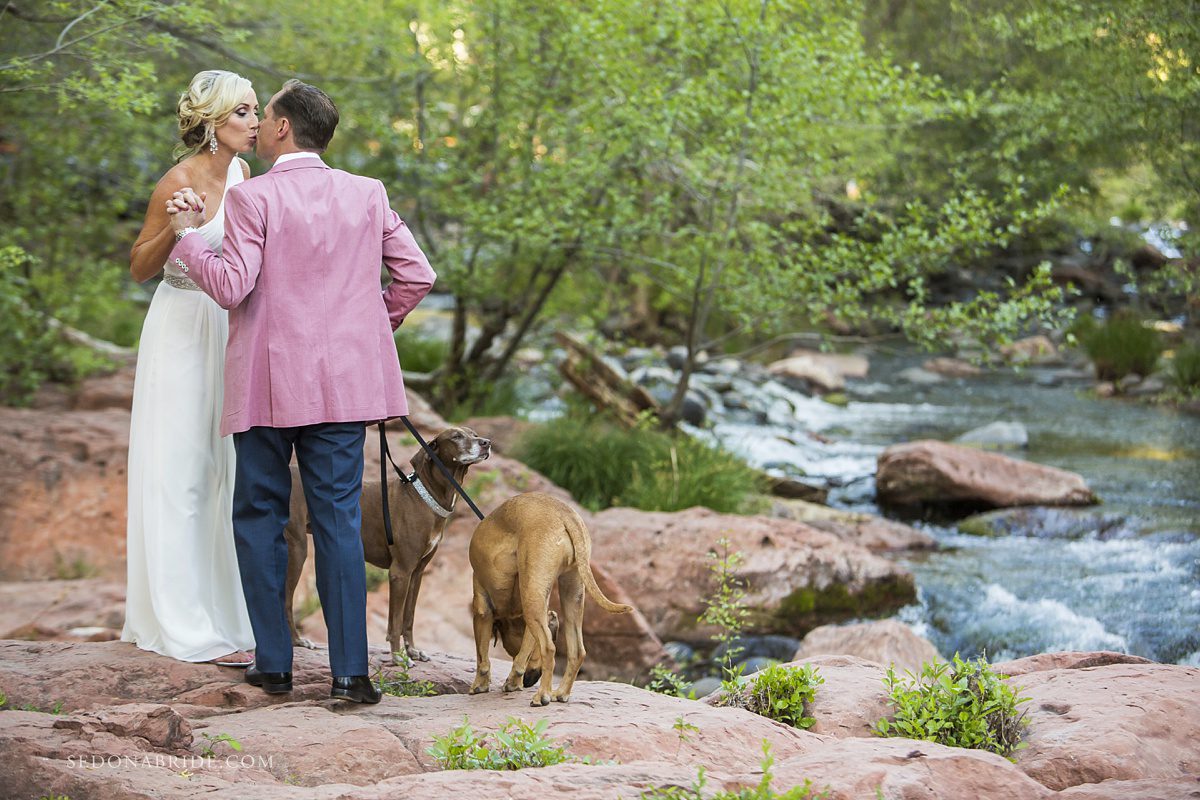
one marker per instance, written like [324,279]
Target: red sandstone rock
[796,576]
[886,642]
[929,472]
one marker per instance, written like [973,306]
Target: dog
[517,554]
[417,531]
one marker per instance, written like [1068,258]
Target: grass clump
[762,791]
[960,704]
[603,465]
[1185,369]
[1122,346]
[516,745]
[418,353]
[781,693]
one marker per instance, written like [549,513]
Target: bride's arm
[154,243]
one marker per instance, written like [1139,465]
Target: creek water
[1132,585]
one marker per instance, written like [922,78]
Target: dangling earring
[212,143]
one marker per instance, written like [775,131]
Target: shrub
[961,704]
[779,693]
[604,465]
[1122,346]
[210,742]
[1185,369]
[762,791]
[418,353]
[516,745]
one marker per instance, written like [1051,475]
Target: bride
[184,596]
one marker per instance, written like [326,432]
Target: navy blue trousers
[330,456]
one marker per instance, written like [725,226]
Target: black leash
[385,455]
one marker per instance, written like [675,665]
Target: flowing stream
[1130,583]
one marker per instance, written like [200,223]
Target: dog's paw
[559,697]
[479,688]
[300,641]
[417,655]
[539,700]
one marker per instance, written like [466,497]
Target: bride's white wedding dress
[184,597]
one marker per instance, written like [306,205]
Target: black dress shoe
[357,689]
[271,682]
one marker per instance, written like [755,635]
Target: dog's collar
[434,505]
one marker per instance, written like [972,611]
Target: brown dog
[416,530]
[518,553]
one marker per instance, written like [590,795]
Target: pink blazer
[310,331]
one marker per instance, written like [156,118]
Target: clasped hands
[186,209]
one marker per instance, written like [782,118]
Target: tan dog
[416,530]
[518,553]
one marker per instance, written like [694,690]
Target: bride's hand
[186,209]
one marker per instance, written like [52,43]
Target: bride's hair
[209,100]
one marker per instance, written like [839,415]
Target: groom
[310,362]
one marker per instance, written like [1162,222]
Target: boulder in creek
[887,642]
[952,367]
[796,577]
[997,436]
[1049,523]
[1031,350]
[822,372]
[949,477]
[919,377]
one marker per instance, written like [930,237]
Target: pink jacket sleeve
[412,277]
[228,278]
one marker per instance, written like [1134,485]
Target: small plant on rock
[726,610]
[3,700]
[665,680]
[960,704]
[762,791]
[399,683]
[779,693]
[211,742]
[516,745]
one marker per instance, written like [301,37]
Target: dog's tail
[583,563]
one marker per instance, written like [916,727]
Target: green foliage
[762,791]
[516,745]
[726,610]
[961,704]
[419,353]
[399,683]
[665,680]
[603,465]
[1185,369]
[210,742]
[3,699]
[779,693]
[1122,346]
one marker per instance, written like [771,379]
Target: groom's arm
[227,278]
[412,277]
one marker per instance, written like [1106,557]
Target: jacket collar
[299,163]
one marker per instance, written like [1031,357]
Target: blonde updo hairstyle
[210,99]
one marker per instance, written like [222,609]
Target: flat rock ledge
[131,724]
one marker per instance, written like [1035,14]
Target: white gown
[184,595]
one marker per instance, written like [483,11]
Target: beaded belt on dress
[180,282]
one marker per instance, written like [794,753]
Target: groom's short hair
[313,115]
